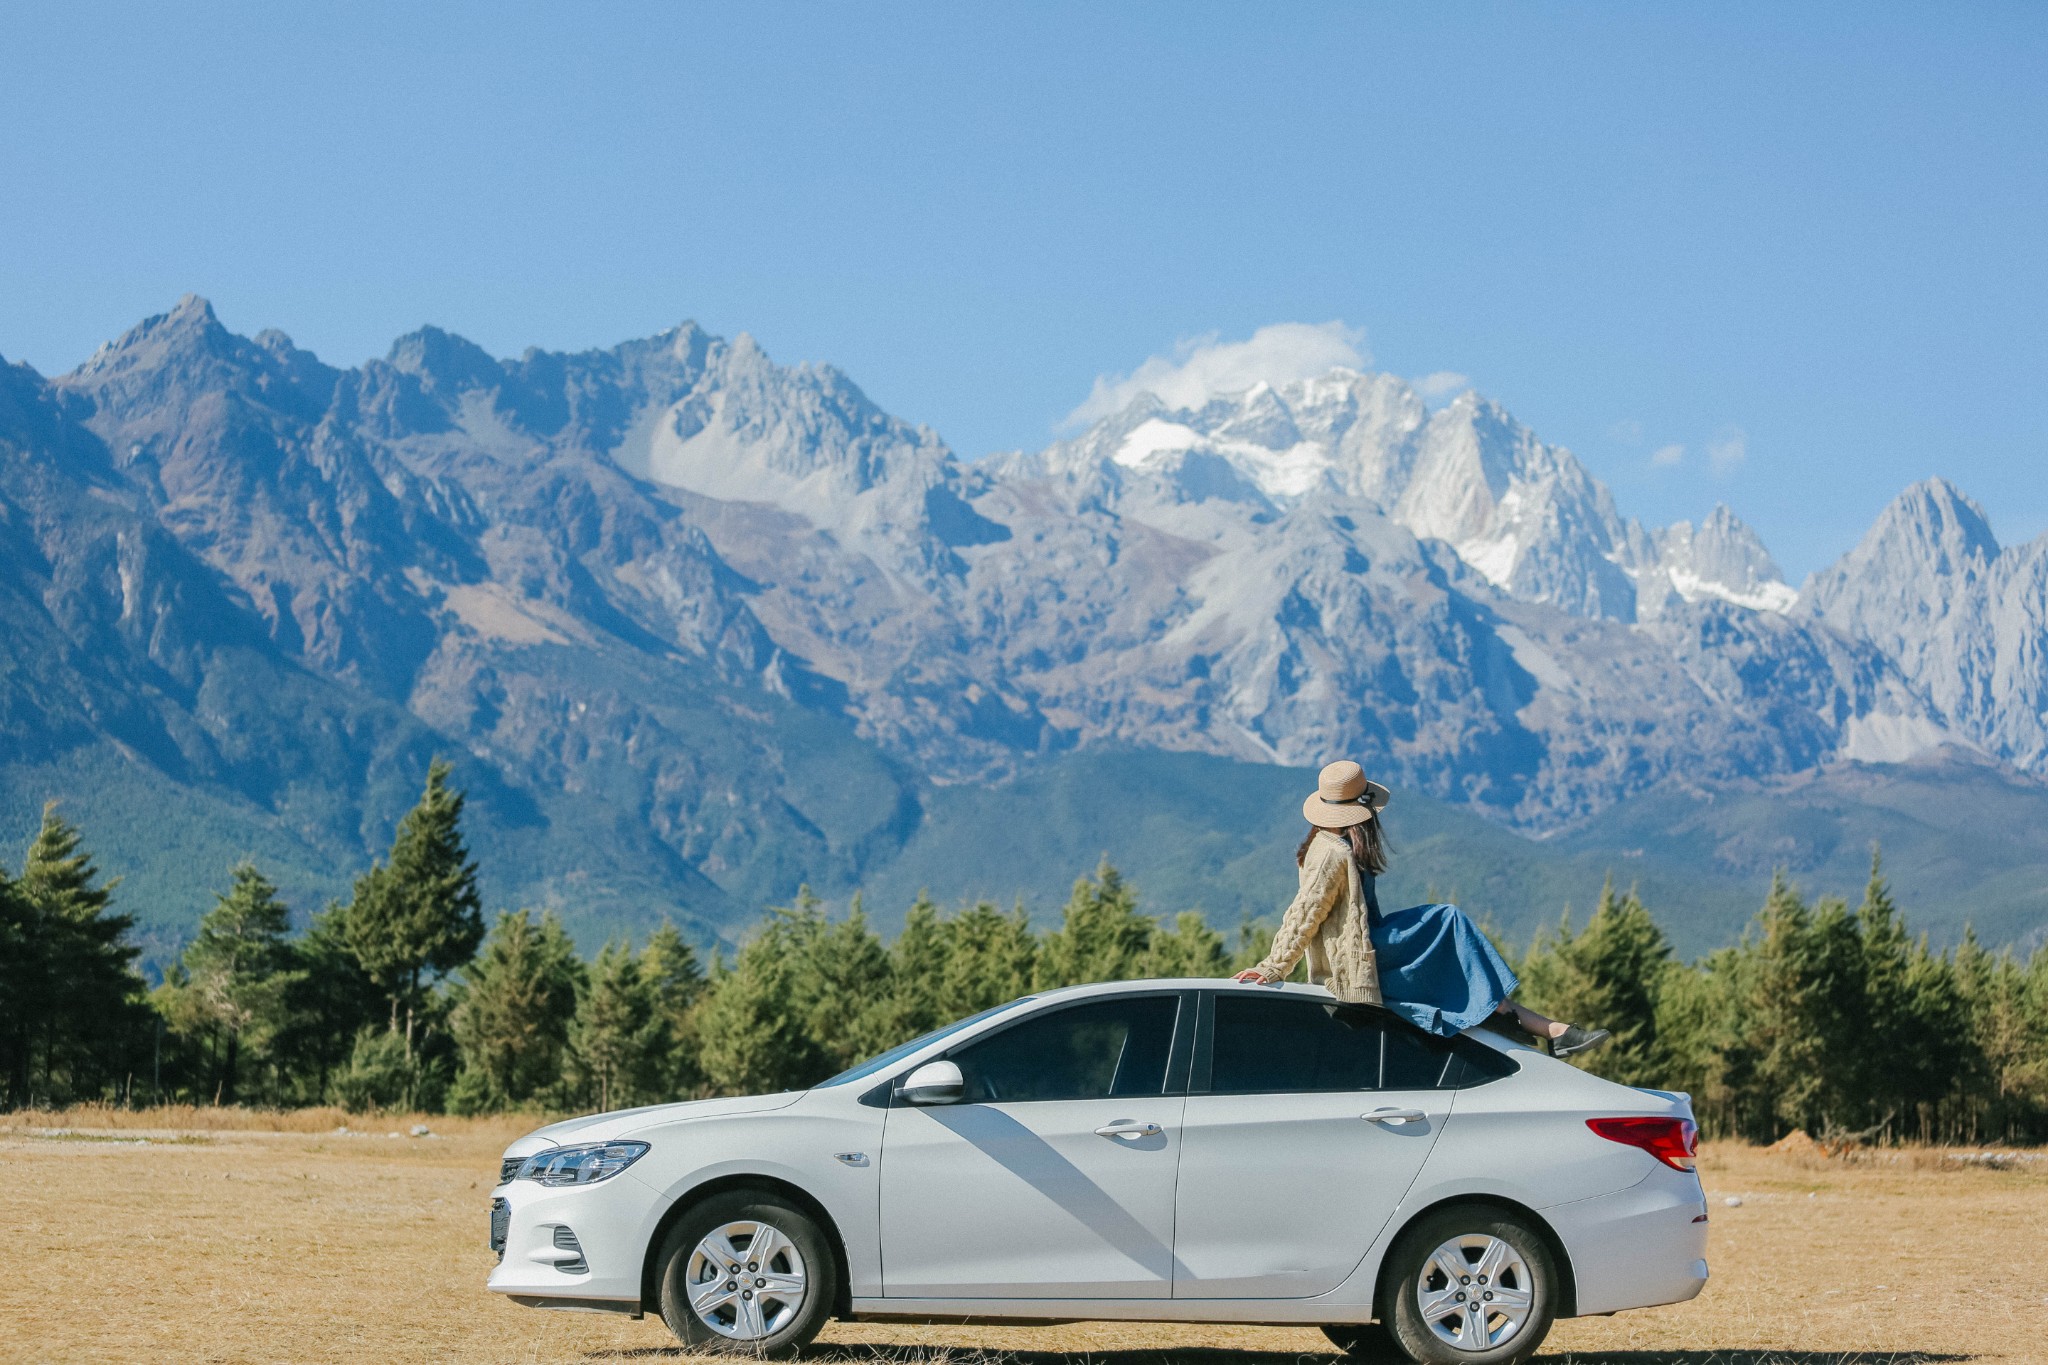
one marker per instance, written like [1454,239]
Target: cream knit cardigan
[1327,922]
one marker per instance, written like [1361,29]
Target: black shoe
[1575,1040]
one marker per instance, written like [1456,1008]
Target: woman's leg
[1538,1025]
[1565,1039]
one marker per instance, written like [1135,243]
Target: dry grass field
[192,1236]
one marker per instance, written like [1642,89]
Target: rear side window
[1101,1050]
[1271,1044]
[1263,1043]
[1415,1060]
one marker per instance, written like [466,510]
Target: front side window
[1099,1050]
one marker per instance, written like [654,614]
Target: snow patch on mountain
[1882,737]
[1524,515]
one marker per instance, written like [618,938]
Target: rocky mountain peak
[1723,558]
[1964,619]
[150,377]
[442,360]
[1937,525]
[188,335]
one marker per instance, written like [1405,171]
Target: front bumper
[610,1222]
[1637,1247]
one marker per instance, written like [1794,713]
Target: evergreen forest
[1826,1015]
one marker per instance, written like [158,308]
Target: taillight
[1672,1141]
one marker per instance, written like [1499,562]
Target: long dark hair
[1368,845]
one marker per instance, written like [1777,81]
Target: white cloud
[1726,452]
[1441,384]
[1203,367]
[1628,431]
[1664,457]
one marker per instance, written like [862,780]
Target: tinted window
[1270,1043]
[1414,1059]
[896,1054]
[1476,1064]
[1084,1052]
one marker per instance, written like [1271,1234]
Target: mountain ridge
[724,625]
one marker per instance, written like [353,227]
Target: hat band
[1364,798]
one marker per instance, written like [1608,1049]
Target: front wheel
[747,1272]
[1470,1286]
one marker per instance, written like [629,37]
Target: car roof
[1499,1042]
[1171,983]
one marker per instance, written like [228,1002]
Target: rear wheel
[747,1272]
[1470,1286]
[1366,1343]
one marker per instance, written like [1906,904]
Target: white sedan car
[1186,1151]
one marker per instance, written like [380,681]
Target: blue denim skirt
[1437,970]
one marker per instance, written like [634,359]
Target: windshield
[902,1050]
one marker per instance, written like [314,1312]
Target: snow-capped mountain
[675,601]
[1524,515]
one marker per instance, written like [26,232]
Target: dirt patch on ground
[162,1241]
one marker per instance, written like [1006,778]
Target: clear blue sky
[1819,227]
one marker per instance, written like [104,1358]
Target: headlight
[584,1165]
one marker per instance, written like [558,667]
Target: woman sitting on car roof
[1428,963]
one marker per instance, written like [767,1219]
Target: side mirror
[937,1082]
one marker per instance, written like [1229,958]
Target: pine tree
[2009,1046]
[615,1038]
[25,989]
[842,988]
[1192,948]
[1933,1056]
[990,959]
[1908,1056]
[750,1031]
[675,984]
[512,1013]
[328,1000]
[237,969]
[1695,1013]
[1101,937]
[917,974]
[1779,1014]
[1975,1089]
[1838,1017]
[84,1010]
[418,914]
[1608,976]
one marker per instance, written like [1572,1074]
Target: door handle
[1395,1116]
[1129,1130]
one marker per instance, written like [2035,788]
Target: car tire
[1420,1305]
[794,1287]
[1364,1343]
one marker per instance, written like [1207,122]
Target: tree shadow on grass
[894,1354]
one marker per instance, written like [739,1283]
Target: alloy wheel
[1475,1292]
[746,1280]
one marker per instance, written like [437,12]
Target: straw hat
[1343,797]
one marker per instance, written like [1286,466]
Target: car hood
[604,1127]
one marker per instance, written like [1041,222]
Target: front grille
[565,1240]
[501,1223]
[508,1168]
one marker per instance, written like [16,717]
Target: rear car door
[1054,1175]
[1306,1122]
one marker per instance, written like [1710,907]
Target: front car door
[1306,1122]
[1053,1177]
